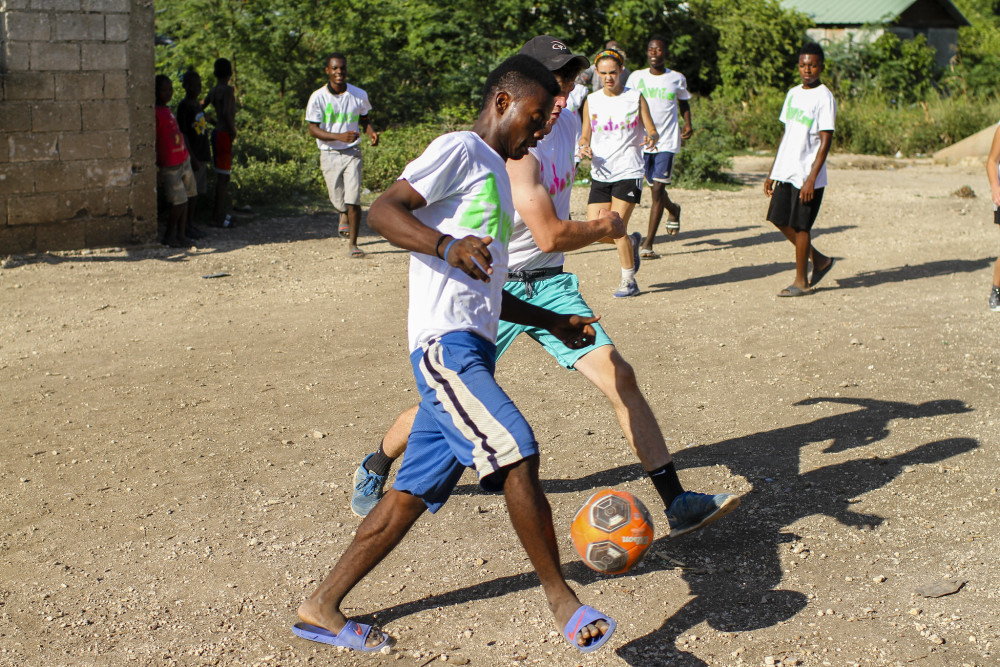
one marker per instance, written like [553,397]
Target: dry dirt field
[178,450]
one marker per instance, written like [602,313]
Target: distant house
[938,20]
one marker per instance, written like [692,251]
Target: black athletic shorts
[787,210]
[996,215]
[629,190]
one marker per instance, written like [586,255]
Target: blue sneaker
[636,256]
[627,288]
[367,489]
[690,511]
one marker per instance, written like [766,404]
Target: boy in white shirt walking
[797,177]
[666,93]
[337,114]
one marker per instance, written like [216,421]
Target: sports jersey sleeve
[314,110]
[439,170]
[826,114]
[633,80]
[682,88]
[365,106]
[784,107]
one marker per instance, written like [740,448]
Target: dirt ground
[178,450]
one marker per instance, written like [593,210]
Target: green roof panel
[860,12]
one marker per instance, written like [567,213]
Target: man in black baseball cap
[552,53]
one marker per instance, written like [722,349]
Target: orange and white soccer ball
[611,531]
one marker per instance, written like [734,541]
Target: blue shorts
[560,294]
[465,420]
[659,166]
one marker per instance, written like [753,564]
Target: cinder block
[16,56]
[93,145]
[31,146]
[102,56]
[105,232]
[82,204]
[33,209]
[106,6]
[4,147]
[118,144]
[68,235]
[17,179]
[15,116]
[116,86]
[15,240]
[48,56]
[107,174]
[143,195]
[60,176]
[55,116]
[28,86]
[119,200]
[79,86]
[28,27]
[79,27]
[116,27]
[111,115]
[144,229]
[56,5]
[13,5]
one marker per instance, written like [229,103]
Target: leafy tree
[759,42]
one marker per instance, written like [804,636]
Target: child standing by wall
[173,164]
[223,98]
[797,177]
[991,173]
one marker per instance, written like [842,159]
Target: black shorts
[787,210]
[629,190]
[996,215]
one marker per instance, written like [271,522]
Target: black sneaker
[995,299]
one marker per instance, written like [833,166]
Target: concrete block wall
[77,145]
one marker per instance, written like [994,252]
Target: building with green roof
[938,20]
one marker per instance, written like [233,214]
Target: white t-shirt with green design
[467,191]
[337,114]
[806,113]
[662,93]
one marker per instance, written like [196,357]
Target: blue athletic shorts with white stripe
[465,420]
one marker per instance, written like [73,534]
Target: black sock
[666,482]
[379,463]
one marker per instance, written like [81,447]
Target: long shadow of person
[737,586]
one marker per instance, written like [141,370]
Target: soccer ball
[611,531]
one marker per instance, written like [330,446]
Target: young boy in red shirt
[173,163]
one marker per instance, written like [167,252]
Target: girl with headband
[616,127]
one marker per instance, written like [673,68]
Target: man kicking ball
[452,208]
[541,186]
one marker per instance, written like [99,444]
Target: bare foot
[312,613]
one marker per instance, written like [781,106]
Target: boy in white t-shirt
[797,177]
[667,95]
[452,208]
[337,113]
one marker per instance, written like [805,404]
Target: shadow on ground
[741,553]
[258,230]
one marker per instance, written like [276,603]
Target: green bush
[708,154]
[396,147]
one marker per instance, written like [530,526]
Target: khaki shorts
[178,183]
[342,172]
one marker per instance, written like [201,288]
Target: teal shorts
[561,294]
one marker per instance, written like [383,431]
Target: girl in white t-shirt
[991,173]
[613,138]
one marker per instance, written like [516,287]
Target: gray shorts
[342,172]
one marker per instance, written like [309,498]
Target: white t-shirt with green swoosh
[662,93]
[467,191]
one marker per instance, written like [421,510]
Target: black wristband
[437,246]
